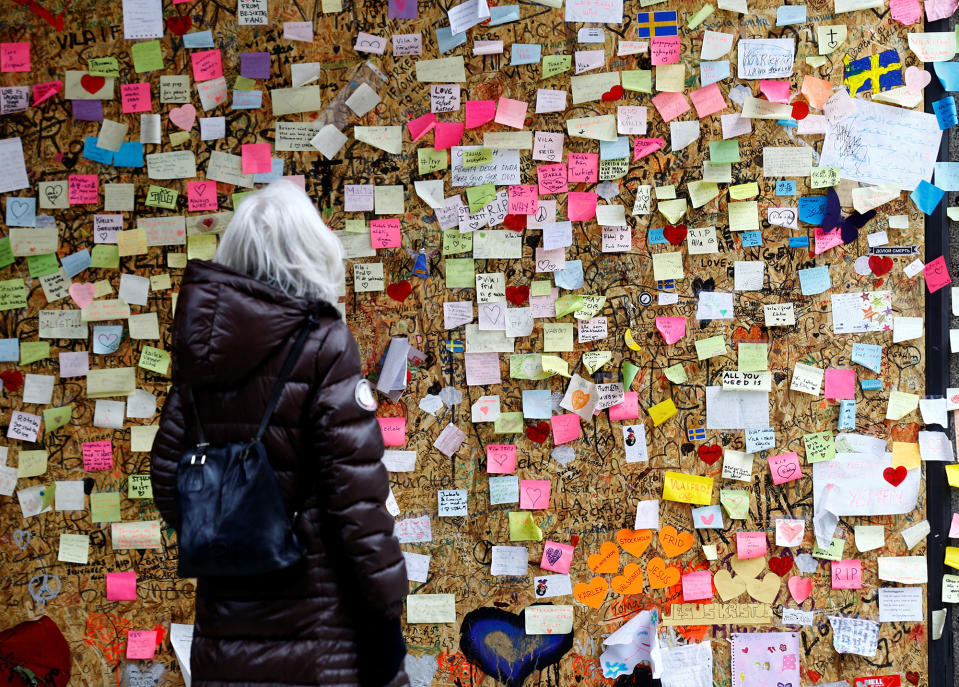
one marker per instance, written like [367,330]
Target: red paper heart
[709,454]
[880,264]
[538,433]
[399,291]
[517,295]
[207,222]
[912,676]
[895,476]
[675,233]
[92,84]
[814,675]
[613,94]
[800,110]
[515,222]
[781,564]
[12,379]
[179,25]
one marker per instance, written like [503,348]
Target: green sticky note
[477,157]
[239,198]
[55,418]
[753,357]
[820,446]
[47,496]
[736,502]
[154,359]
[160,197]
[356,226]
[105,255]
[455,241]
[460,273]
[104,66]
[638,80]
[527,366]
[139,487]
[242,83]
[479,196]
[13,294]
[508,423]
[571,302]
[147,56]
[522,527]
[6,252]
[833,553]
[541,287]
[676,374]
[42,265]
[711,347]
[105,506]
[724,151]
[704,12]
[629,374]
[431,160]
[556,64]
[32,351]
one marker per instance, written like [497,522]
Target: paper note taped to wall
[861,486]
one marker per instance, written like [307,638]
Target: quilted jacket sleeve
[165,455]
[352,479]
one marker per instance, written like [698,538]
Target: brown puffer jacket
[324,621]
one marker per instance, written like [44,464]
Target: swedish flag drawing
[657,24]
[696,433]
[874,73]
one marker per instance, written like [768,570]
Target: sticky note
[685,488]
[122,586]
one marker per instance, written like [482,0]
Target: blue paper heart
[496,642]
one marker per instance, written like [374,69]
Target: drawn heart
[895,476]
[727,586]
[517,295]
[553,555]
[82,293]
[917,79]
[630,582]
[634,542]
[710,453]
[538,433]
[179,25]
[92,84]
[800,110]
[592,594]
[53,192]
[800,588]
[781,564]
[675,543]
[912,675]
[19,208]
[747,567]
[790,532]
[675,233]
[515,222]
[489,637]
[399,291]
[766,589]
[661,575]
[613,94]
[108,340]
[707,519]
[22,538]
[579,399]
[786,470]
[606,561]
[880,264]
[183,116]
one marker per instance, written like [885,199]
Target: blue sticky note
[447,40]
[948,75]
[91,151]
[570,277]
[790,14]
[945,110]
[812,209]
[129,155]
[107,338]
[868,384]
[813,280]
[198,39]
[21,212]
[785,188]
[247,100]
[275,172]
[947,176]
[867,355]
[656,236]
[711,72]
[751,239]
[525,53]
[503,15]
[614,150]
[708,517]
[537,403]
[799,242]
[847,414]
[788,122]
[9,350]
[926,196]
[75,263]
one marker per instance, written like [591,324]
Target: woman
[332,618]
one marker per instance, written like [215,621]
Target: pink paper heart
[917,79]
[800,588]
[183,116]
[82,293]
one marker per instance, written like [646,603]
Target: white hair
[277,236]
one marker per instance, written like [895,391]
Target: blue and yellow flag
[658,24]
[874,73]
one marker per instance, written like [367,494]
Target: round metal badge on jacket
[363,393]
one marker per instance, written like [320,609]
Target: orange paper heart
[592,594]
[579,399]
[630,582]
[675,543]
[606,561]
[634,541]
[661,575]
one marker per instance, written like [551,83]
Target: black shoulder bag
[232,517]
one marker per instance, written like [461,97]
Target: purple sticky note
[403,9]
[255,65]
[88,110]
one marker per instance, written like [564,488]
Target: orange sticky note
[905,453]
[817,91]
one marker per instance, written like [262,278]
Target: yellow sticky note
[662,411]
[556,64]
[201,247]
[701,192]
[687,488]
[555,365]
[540,287]
[905,453]
[901,403]
[557,337]
[744,216]
[111,381]
[753,357]
[671,78]
[672,210]
[743,191]
[141,437]
[952,557]
[952,475]
[132,242]
[668,266]
[31,463]
[710,347]
[823,177]
[522,527]
[430,160]
[830,37]
[154,359]
[13,294]
[676,374]
[640,80]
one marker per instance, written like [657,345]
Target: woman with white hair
[259,350]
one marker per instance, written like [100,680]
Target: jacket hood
[227,323]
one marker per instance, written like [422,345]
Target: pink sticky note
[122,586]
[207,64]
[45,91]
[826,239]
[907,12]
[14,57]
[478,112]
[500,459]
[665,49]
[565,428]
[552,178]
[141,643]
[421,126]
[672,328]
[393,430]
[785,467]
[774,90]
[511,112]
[750,545]
[556,557]
[708,100]
[534,494]
[82,189]
[954,527]
[840,383]
[255,158]
[448,134]
[523,199]
[385,233]
[847,574]
[201,196]
[298,179]
[581,205]
[936,274]
[583,167]
[940,9]
[97,455]
[670,105]
[135,97]
[627,409]
[644,146]
[697,585]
